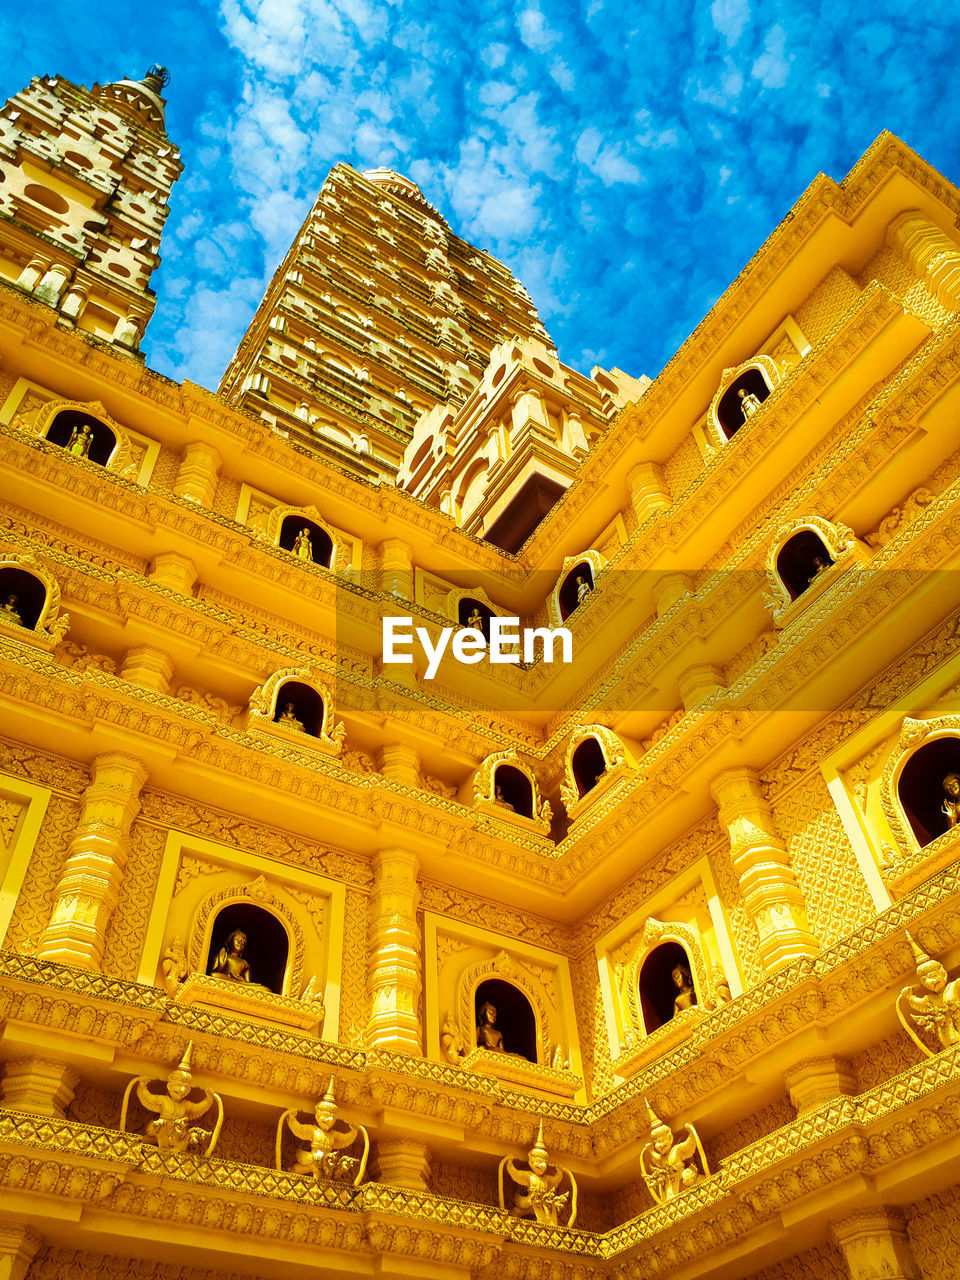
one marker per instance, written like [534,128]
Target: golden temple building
[629,956]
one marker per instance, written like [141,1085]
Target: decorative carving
[538,1196]
[842,547]
[51,625]
[485,796]
[770,373]
[122,459]
[596,562]
[261,892]
[930,1012]
[913,735]
[263,707]
[172,1130]
[617,763]
[325,1157]
[273,523]
[668,1166]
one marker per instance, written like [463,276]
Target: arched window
[589,765]
[929,788]
[265,945]
[741,400]
[576,587]
[22,597]
[83,436]
[515,1018]
[299,707]
[512,788]
[666,985]
[801,559]
[306,539]
[467,611]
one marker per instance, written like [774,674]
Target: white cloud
[605,160]
[534,31]
[772,68]
[730,18]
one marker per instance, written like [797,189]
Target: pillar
[403,1162]
[875,1243]
[668,588]
[149,667]
[699,682]
[42,1086]
[18,1247]
[762,864]
[97,854]
[648,489]
[52,285]
[400,763]
[396,568]
[196,479]
[393,972]
[174,571]
[816,1081]
[33,273]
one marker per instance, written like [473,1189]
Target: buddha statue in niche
[81,438]
[488,1036]
[749,403]
[951,805]
[9,610]
[230,963]
[475,620]
[820,565]
[288,718]
[583,588]
[686,996]
[302,545]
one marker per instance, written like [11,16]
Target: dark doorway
[588,764]
[306,703]
[71,421]
[802,558]
[321,544]
[514,787]
[730,413]
[921,787]
[267,945]
[657,987]
[468,606]
[569,591]
[515,1018]
[30,592]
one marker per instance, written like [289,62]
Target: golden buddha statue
[951,805]
[749,403]
[488,1036]
[930,1012]
[324,1157]
[820,565]
[302,545]
[537,1195]
[686,996]
[81,438]
[475,620]
[172,1130]
[230,963]
[500,798]
[288,718]
[667,1166]
[9,611]
[584,588]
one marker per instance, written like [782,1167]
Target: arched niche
[283,524]
[922,788]
[588,765]
[657,989]
[468,607]
[741,393]
[297,704]
[801,560]
[516,1020]
[569,594]
[267,949]
[794,578]
[30,601]
[306,540]
[511,786]
[63,422]
[594,757]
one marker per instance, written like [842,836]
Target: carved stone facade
[683,870]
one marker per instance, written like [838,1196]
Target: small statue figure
[302,546]
[325,1158]
[230,963]
[930,1013]
[81,438]
[749,403]
[500,798]
[475,620]
[558,1061]
[820,565]
[537,1196]
[451,1046]
[9,611]
[686,996]
[288,718]
[667,1166]
[951,806]
[583,588]
[488,1037]
[171,1130]
[173,966]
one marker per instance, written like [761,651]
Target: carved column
[396,568]
[149,667]
[393,973]
[197,477]
[815,1081]
[176,572]
[97,854]
[668,588]
[875,1243]
[400,763]
[403,1162]
[42,1086]
[699,682]
[648,489]
[18,1246]
[760,859]
[33,273]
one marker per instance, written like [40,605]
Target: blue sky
[624,159]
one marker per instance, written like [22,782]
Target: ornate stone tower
[86,179]
[377,314]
